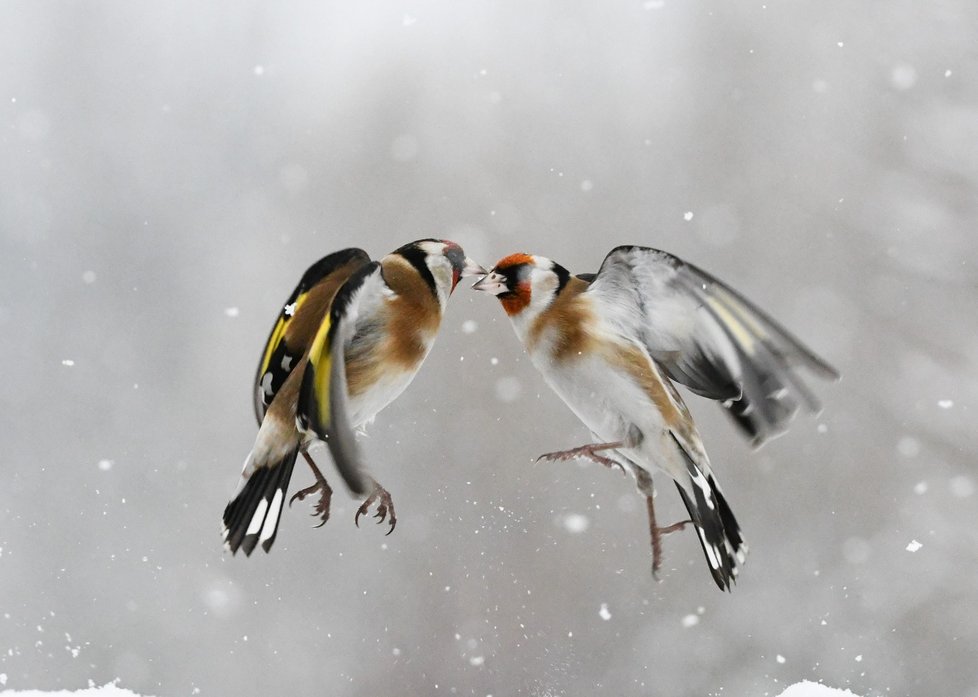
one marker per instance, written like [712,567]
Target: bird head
[441,262]
[524,283]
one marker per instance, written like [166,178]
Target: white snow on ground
[109,690]
[801,689]
[814,689]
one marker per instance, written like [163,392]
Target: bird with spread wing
[612,344]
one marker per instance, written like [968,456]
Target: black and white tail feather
[718,530]
[253,514]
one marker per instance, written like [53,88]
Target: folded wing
[709,337]
[299,320]
[323,405]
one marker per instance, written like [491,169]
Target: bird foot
[675,527]
[321,510]
[656,534]
[385,508]
[589,452]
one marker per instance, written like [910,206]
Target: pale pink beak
[472,269]
[491,282]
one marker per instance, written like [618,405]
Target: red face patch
[514,302]
[513,260]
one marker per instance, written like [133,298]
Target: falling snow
[908,446]
[576,523]
[296,134]
[903,76]
[508,389]
[961,486]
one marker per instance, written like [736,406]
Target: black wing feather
[277,358]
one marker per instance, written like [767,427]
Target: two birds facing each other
[611,344]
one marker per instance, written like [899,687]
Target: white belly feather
[613,407]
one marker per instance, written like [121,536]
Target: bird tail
[253,513]
[718,530]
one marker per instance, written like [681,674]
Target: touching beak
[472,269]
[492,282]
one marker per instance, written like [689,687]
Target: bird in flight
[347,342]
[612,344]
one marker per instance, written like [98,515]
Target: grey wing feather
[709,337]
[341,438]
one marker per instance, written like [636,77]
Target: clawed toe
[589,452]
[301,494]
[385,509]
[675,527]
[321,510]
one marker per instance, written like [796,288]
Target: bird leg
[656,532]
[325,497]
[384,507]
[589,452]
[644,481]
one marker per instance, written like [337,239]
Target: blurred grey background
[168,170]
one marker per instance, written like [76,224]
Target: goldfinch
[348,341]
[611,344]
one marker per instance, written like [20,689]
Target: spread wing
[323,398]
[299,320]
[709,337]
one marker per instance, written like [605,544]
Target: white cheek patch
[543,284]
[441,270]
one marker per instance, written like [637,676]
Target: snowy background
[167,170]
